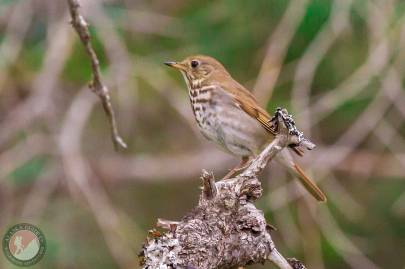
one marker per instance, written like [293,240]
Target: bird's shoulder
[245,100]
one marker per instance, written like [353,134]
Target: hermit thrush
[229,115]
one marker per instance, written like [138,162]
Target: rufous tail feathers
[286,159]
[308,183]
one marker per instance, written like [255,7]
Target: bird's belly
[243,135]
[232,129]
[227,125]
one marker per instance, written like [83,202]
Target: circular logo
[24,244]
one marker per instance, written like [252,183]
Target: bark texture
[225,229]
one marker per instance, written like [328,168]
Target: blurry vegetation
[236,32]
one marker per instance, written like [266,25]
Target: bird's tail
[287,161]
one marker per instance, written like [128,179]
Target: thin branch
[81,27]
[120,64]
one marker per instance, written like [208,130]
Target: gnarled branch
[226,230]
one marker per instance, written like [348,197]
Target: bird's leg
[245,162]
[241,166]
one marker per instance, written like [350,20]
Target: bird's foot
[239,168]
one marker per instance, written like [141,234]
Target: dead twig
[81,27]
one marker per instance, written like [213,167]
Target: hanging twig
[96,84]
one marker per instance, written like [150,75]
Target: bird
[229,115]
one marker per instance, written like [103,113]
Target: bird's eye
[194,63]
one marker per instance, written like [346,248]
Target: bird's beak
[176,65]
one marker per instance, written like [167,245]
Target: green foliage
[28,172]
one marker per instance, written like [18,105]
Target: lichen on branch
[225,229]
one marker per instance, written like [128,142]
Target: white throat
[195,83]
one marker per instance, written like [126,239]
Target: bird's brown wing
[247,102]
[243,99]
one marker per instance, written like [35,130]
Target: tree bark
[225,229]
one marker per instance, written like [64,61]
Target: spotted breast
[229,115]
[221,121]
[204,113]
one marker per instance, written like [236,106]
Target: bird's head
[198,68]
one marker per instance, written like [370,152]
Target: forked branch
[98,87]
[225,229]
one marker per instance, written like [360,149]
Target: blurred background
[338,66]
